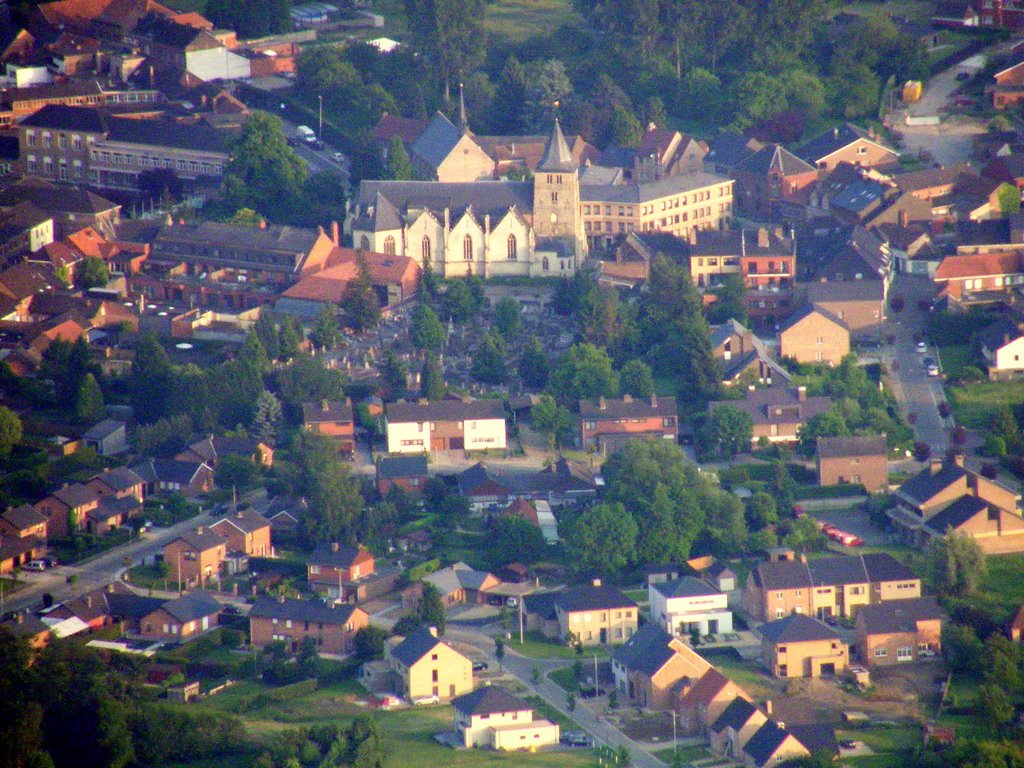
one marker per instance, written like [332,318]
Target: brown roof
[445,410]
[627,407]
[326,412]
[524,509]
[405,128]
[710,685]
[979,265]
[331,283]
[777,405]
[855,445]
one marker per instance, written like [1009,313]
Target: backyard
[975,404]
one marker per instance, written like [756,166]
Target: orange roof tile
[979,265]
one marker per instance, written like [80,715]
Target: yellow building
[492,717]
[430,668]
[799,646]
[594,614]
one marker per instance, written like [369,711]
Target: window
[467,248]
[31,164]
[781,649]
[554,197]
[47,139]
[389,245]
[425,249]
[30,138]
[512,249]
[904,653]
[881,653]
[545,265]
[62,140]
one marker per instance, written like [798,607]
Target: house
[65,509]
[651,664]
[416,540]
[28,627]
[210,450]
[1007,87]
[428,668]
[182,618]
[190,478]
[336,570]
[962,277]
[492,717]
[129,609]
[107,438]
[482,488]
[846,254]
[930,183]
[409,473]
[720,576]
[847,143]
[538,513]
[743,357]
[196,557]
[727,150]
[1002,346]
[663,152]
[734,727]
[561,483]
[778,413]
[799,646]
[907,631]
[858,459]
[120,482]
[459,584]
[705,701]
[447,425]
[247,532]
[687,604]
[827,586]
[16,551]
[606,424]
[111,512]
[595,614]
[858,303]
[22,522]
[284,512]
[771,177]
[332,626]
[771,744]
[334,420]
[815,335]
[946,496]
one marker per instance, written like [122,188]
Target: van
[306,134]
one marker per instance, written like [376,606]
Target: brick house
[196,557]
[1007,86]
[447,425]
[119,483]
[744,358]
[22,522]
[770,176]
[332,626]
[778,413]
[595,614]
[771,744]
[15,551]
[847,143]
[334,569]
[182,618]
[334,420]
[607,424]
[960,276]
[246,531]
[827,586]
[904,632]
[731,731]
[210,450]
[409,473]
[815,335]
[702,704]
[799,646]
[190,478]
[856,459]
[651,664]
[858,303]
[427,667]
[67,507]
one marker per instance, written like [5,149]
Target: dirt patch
[651,726]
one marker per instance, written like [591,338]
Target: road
[98,571]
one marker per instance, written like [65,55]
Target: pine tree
[253,352]
[489,360]
[393,375]
[432,384]
[89,401]
[289,338]
[361,306]
[534,366]
[266,329]
[325,333]
[399,165]
[267,417]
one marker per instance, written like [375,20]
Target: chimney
[958,459]
[801,394]
[335,233]
[169,221]
[325,406]
[199,530]
[239,515]
[654,400]
[934,466]
[627,398]
[110,588]
[904,219]
[422,401]
[768,707]
[21,617]
[762,237]
[803,558]
[596,582]
[88,601]
[601,404]
[432,631]
[835,132]
[263,224]
[335,546]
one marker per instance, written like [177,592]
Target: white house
[682,604]
[1002,346]
[492,717]
[448,425]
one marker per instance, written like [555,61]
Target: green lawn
[687,752]
[87,545]
[536,646]
[889,745]
[548,712]
[639,595]
[564,678]
[519,20]
[8,585]
[976,404]
[149,577]
[955,357]
[748,676]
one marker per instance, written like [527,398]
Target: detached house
[16,551]
[196,557]
[799,646]
[1002,346]
[815,335]
[858,459]
[847,143]
[705,701]
[744,358]
[336,570]
[652,667]
[687,604]
[335,420]
[770,745]
[903,632]
[331,626]
[778,413]
[409,473]
[607,424]
[492,717]
[427,667]
[182,618]
[731,731]
[246,532]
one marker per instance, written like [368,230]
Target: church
[485,228]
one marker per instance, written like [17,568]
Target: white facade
[505,731]
[469,435]
[1008,357]
[709,613]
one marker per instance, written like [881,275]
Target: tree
[534,365]
[509,98]
[955,563]
[368,642]
[362,745]
[499,650]
[636,379]
[251,18]
[289,337]
[729,301]
[394,375]
[489,360]
[995,707]
[584,371]
[431,608]
[507,317]
[335,499]
[264,173]
[89,401]
[10,431]
[93,273]
[426,330]
[267,417]
[761,511]
[963,650]
[432,384]
[450,34]
[325,333]
[552,420]
[458,302]
[728,431]
[238,472]
[149,382]
[266,331]
[516,539]
[360,303]
[246,217]
[399,165]
[602,539]
[626,130]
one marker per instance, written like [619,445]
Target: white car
[427,700]
[921,347]
[338,157]
[35,565]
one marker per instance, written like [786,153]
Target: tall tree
[289,338]
[360,303]
[510,97]
[10,431]
[602,539]
[325,333]
[432,384]
[507,317]
[955,563]
[267,417]
[251,18]
[92,273]
[450,34]
[534,365]
[729,301]
[264,173]
[489,359]
[335,501]
[426,330]
[394,375]
[552,420]
[584,371]
[149,382]
[399,165]
[89,402]
[636,379]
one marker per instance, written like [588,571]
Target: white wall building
[681,604]
[448,425]
[492,717]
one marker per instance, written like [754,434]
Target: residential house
[705,701]
[128,609]
[845,254]
[595,614]
[332,626]
[539,614]
[858,459]
[907,631]
[107,438]
[1002,346]
[847,143]
[931,183]
[1008,170]
[111,512]
[196,557]
[799,646]
[337,570]
[652,665]
[246,531]
[770,745]
[454,425]
[770,178]
[458,584]
[663,152]
[335,420]
[964,279]
[720,576]
[120,482]
[860,304]
[28,627]
[416,540]
[815,335]
[183,618]
[492,717]
[727,150]
[1007,87]
[910,247]
[428,668]
[16,551]
[563,482]
[284,512]
[946,496]
[22,522]
[65,509]
[778,413]
[25,229]
[409,473]
[689,604]
[744,358]
[210,450]
[827,586]
[190,478]
[606,424]
[733,728]
[72,208]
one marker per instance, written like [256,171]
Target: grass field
[955,357]
[747,676]
[520,20]
[976,404]
[536,646]
[8,585]
[686,752]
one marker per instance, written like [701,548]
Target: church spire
[557,157]
[463,122]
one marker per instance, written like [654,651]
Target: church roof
[557,157]
[404,198]
[437,140]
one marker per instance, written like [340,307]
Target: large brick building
[332,627]
[895,634]
[859,459]
[606,424]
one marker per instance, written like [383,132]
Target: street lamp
[320,128]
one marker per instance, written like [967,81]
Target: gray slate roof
[734,716]
[394,467]
[444,410]
[415,646]
[192,606]
[245,520]
[489,700]
[437,140]
[854,445]
[343,557]
[956,514]
[824,144]
[926,484]
[557,158]
[24,517]
[494,197]
[774,158]
[896,616]
[765,741]
[119,479]
[688,586]
[797,628]
[633,408]
[302,610]
[591,598]
[646,651]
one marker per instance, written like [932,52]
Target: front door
[604,636]
[437,443]
[451,691]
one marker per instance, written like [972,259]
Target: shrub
[231,638]
[945,409]
[994,446]
[969,374]
[959,436]
[989,470]
[922,451]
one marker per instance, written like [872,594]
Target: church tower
[556,196]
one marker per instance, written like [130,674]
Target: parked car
[35,565]
[427,700]
[847,744]
[921,347]
[575,739]
[480,666]
[591,693]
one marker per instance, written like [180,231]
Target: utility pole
[675,743]
[521,597]
[597,682]
[320,127]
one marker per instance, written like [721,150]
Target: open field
[536,646]
[520,20]
[955,358]
[976,404]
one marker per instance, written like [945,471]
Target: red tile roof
[389,126]
[979,265]
[331,283]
